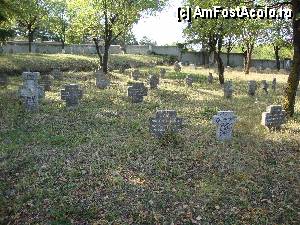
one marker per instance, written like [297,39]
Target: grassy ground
[99,164]
[44,63]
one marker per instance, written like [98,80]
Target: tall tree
[294,76]
[210,32]
[279,35]
[250,30]
[6,10]
[229,43]
[29,16]
[58,20]
[6,16]
[106,20]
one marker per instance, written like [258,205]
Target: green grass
[17,63]
[99,164]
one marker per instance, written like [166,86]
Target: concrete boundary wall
[197,58]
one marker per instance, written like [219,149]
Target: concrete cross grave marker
[137,91]
[162,73]
[46,82]
[210,78]
[252,86]
[228,89]
[274,84]
[3,80]
[189,80]
[274,117]
[153,81]
[102,81]
[265,86]
[57,73]
[31,92]
[165,121]
[135,74]
[71,94]
[225,121]
[177,67]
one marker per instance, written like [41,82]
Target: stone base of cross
[165,121]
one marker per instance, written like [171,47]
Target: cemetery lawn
[99,164]
[14,64]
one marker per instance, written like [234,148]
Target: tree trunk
[62,45]
[228,55]
[220,67]
[293,79]
[107,43]
[96,41]
[30,39]
[276,51]
[248,57]
[219,60]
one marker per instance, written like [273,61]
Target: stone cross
[165,121]
[3,80]
[71,94]
[264,86]
[135,74]
[31,92]
[102,81]
[210,78]
[153,81]
[162,73]
[252,86]
[137,92]
[189,81]
[228,89]
[274,84]
[46,82]
[57,73]
[274,117]
[225,121]
[177,67]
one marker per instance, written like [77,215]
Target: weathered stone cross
[274,117]
[137,92]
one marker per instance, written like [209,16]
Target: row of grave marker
[165,121]
[136,91]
